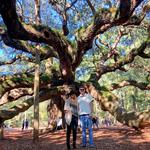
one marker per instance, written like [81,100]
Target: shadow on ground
[111,138]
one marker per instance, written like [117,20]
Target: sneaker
[92,146]
[82,145]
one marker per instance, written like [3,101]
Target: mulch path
[110,138]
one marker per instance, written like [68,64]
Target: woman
[71,116]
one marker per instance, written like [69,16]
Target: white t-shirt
[84,104]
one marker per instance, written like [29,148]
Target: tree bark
[37,78]
[1,130]
[36,100]
[56,110]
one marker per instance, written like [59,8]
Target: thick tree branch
[25,80]
[91,7]
[48,36]
[140,85]
[12,112]
[113,49]
[35,33]
[109,102]
[101,24]
[144,55]
[15,81]
[120,63]
[45,51]
[15,94]
[18,57]
[40,34]
[127,7]
[45,94]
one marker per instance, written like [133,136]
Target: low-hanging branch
[8,83]
[109,102]
[15,94]
[26,104]
[25,80]
[44,94]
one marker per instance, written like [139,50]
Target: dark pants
[73,125]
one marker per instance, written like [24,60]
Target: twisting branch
[113,49]
[109,102]
[91,7]
[70,5]
[8,83]
[39,34]
[26,104]
[15,94]
[18,57]
[144,55]
[140,85]
[45,51]
[120,63]
[127,7]
[100,25]
[45,94]
[35,33]
[62,9]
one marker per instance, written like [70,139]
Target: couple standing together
[81,107]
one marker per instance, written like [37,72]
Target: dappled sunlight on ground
[108,138]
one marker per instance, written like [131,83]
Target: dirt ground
[110,138]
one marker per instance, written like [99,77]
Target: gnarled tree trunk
[55,111]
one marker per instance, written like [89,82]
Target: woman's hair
[72,93]
[82,87]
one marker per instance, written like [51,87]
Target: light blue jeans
[86,123]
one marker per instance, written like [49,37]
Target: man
[85,114]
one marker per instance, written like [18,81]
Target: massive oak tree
[75,31]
